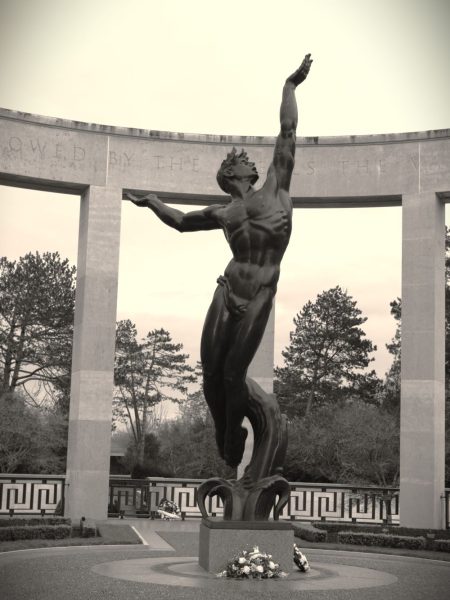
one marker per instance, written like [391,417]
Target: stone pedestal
[221,541]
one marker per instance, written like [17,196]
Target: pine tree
[37,299]
[325,357]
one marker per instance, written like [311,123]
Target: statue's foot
[235,446]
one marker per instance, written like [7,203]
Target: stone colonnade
[99,162]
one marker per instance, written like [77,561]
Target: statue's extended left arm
[197,220]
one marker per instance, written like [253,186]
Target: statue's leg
[213,349]
[247,336]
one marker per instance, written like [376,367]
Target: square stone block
[221,541]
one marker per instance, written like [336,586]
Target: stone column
[261,371]
[89,441]
[261,367]
[422,444]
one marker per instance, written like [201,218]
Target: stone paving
[167,568]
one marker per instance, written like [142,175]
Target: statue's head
[236,166]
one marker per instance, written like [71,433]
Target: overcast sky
[218,67]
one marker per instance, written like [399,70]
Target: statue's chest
[247,215]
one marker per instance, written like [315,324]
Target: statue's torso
[258,230]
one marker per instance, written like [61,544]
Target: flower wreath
[252,565]
[168,510]
[259,565]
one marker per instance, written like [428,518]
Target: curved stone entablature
[51,153]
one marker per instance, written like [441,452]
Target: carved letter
[381,166]
[311,168]
[158,162]
[414,161]
[174,162]
[128,158]
[78,153]
[112,157]
[36,145]
[15,144]
[195,164]
[58,149]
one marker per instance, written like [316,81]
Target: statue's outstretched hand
[301,73]
[140,201]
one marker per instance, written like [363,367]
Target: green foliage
[442,545]
[146,373]
[148,465]
[31,440]
[391,392]
[325,357]
[354,443]
[37,297]
[371,528]
[307,531]
[188,446]
[26,532]
[33,521]
[381,539]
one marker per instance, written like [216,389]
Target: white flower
[271,565]
[260,569]
[241,560]
[246,569]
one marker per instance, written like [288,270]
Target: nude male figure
[257,226]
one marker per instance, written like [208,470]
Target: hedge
[381,539]
[32,521]
[442,545]
[337,527]
[380,528]
[307,531]
[49,532]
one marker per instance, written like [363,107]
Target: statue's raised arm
[284,153]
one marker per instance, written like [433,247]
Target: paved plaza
[166,567]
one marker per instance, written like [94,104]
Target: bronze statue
[257,226]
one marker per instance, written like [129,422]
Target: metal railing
[308,501]
[41,495]
[31,494]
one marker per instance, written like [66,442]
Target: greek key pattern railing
[40,494]
[30,494]
[308,502]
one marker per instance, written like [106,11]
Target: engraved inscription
[414,160]
[120,159]
[176,163]
[39,150]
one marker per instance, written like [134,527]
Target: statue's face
[239,169]
[243,170]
